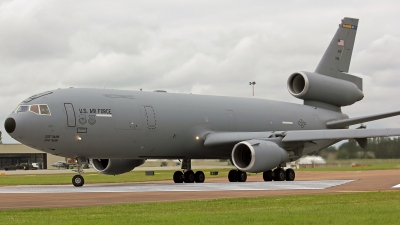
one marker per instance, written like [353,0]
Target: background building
[13,154]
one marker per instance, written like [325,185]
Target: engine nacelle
[317,87]
[257,156]
[116,166]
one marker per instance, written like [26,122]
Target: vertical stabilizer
[336,60]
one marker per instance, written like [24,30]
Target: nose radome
[10,125]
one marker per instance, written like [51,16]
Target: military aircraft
[119,129]
[63,164]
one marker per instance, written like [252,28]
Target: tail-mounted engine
[321,88]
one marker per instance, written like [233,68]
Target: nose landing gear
[78,180]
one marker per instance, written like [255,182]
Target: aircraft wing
[338,134]
[220,138]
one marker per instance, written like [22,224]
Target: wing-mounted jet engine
[115,166]
[258,155]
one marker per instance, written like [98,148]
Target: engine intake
[116,166]
[317,87]
[257,156]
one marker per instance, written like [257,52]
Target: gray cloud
[202,47]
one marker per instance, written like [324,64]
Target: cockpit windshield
[41,109]
[23,108]
[44,110]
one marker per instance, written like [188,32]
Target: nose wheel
[78,181]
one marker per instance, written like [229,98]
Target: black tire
[232,176]
[267,175]
[199,177]
[189,176]
[78,181]
[279,174]
[241,176]
[178,177]
[290,175]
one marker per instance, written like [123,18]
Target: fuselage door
[69,109]
[126,114]
[231,119]
[150,117]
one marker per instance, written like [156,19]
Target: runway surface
[307,183]
[248,186]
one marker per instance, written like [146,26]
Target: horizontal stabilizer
[351,121]
[339,134]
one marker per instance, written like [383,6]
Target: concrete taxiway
[50,196]
[218,186]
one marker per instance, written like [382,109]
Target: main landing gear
[78,180]
[188,176]
[237,176]
[279,174]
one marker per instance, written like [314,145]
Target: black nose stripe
[10,125]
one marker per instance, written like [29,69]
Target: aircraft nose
[10,125]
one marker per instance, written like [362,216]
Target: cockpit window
[34,108]
[44,110]
[23,108]
[37,109]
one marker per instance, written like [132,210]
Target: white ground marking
[247,186]
[396,186]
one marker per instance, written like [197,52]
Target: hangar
[13,154]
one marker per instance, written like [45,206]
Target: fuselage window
[34,108]
[44,110]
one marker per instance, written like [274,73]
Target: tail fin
[336,60]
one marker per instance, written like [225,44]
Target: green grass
[358,168]
[94,177]
[353,208]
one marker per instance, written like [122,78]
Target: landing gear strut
[78,180]
[188,176]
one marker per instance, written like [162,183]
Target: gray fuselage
[103,123]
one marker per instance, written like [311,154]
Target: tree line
[380,148]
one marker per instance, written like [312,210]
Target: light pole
[252,85]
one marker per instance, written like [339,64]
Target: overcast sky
[199,47]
